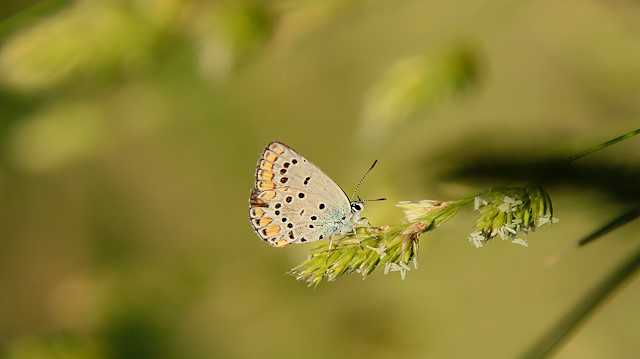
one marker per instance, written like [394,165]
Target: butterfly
[294,201]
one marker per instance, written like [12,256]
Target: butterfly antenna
[362,179]
[373,200]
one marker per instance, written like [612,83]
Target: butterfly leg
[355,233]
[329,251]
[340,240]
[365,220]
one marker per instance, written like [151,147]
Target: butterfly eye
[356,207]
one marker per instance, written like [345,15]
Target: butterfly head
[357,206]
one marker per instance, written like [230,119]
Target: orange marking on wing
[272,230]
[256,212]
[267,195]
[254,201]
[266,165]
[281,243]
[270,156]
[277,148]
[257,202]
[264,185]
[264,221]
[265,175]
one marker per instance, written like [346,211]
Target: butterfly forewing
[294,201]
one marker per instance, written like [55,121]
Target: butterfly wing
[294,201]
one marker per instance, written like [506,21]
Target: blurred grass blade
[413,86]
[616,223]
[603,145]
[556,335]
[30,14]
[59,135]
[81,42]
[230,34]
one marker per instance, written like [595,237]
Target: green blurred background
[131,128]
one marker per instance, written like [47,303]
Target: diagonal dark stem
[618,222]
[550,341]
[614,224]
[603,145]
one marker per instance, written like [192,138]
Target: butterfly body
[294,201]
